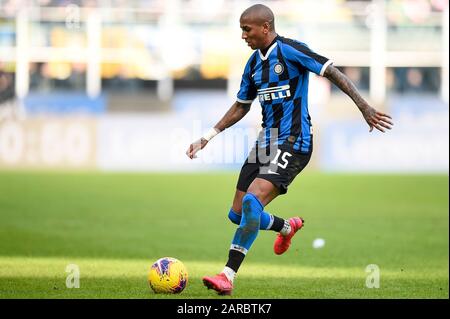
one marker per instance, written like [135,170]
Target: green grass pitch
[113,226]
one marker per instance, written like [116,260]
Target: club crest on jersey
[274,93]
[278,68]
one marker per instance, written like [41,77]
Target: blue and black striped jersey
[280,81]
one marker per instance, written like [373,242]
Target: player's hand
[377,119]
[195,147]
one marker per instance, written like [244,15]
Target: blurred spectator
[57,76]
[409,80]
[6,86]
[359,75]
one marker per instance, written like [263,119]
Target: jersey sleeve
[247,91]
[311,60]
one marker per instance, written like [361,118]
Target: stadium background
[93,87]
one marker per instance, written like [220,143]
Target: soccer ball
[168,275]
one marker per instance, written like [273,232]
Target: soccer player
[277,74]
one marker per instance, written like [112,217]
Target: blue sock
[266,220]
[250,222]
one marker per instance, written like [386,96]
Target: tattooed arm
[373,117]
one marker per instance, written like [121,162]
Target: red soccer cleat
[282,243]
[219,283]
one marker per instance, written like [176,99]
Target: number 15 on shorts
[284,159]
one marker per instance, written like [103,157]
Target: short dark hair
[261,13]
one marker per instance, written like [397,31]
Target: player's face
[254,34]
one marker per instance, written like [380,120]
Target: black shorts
[279,165]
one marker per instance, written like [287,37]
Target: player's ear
[266,27]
